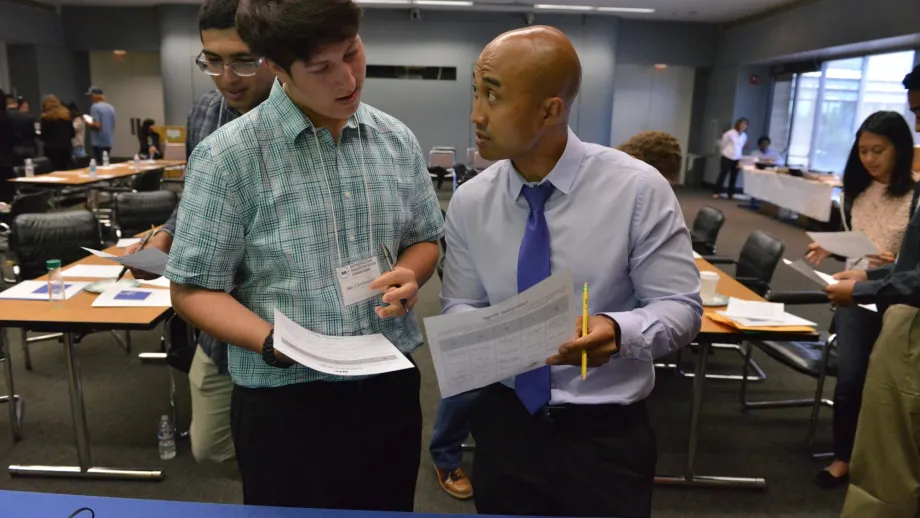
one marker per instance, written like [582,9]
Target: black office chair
[815,359]
[754,268]
[36,238]
[755,265]
[23,203]
[136,212]
[81,162]
[705,231]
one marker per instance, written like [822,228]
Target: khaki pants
[212,442]
[885,469]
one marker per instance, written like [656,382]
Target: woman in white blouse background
[732,147]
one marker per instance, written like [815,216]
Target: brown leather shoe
[455,483]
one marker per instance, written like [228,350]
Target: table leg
[690,478]
[81,432]
[15,402]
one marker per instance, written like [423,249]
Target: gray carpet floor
[124,400]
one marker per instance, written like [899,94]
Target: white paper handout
[126,242]
[41,178]
[852,245]
[821,278]
[477,348]
[92,271]
[119,297]
[38,290]
[151,260]
[754,310]
[362,355]
[787,320]
[159,282]
[697,256]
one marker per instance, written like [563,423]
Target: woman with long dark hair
[57,132]
[7,189]
[149,140]
[879,195]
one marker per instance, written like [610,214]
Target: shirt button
[347,195]
[351,238]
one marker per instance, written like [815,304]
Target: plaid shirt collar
[294,122]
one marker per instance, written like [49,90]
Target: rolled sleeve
[427,222]
[664,276]
[209,238]
[461,288]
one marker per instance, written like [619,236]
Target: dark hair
[912,80]
[74,110]
[217,14]
[739,121]
[658,149]
[285,31]
[763,138]
[6,98]
[892,126]
[145,130]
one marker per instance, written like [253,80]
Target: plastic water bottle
[137,161]
[30,168]
[92,167]
[105,159]
[55,282]
[167,439]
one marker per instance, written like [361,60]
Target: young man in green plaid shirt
[310,182]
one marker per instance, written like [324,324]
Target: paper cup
[710,281]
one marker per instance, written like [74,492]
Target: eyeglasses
[239,68]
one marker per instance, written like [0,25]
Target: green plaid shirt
[269,206]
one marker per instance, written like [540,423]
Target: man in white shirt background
[765,154]
[732,147]
[555,444]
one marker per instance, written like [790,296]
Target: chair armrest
[799,297]
[5,229]
[719,259]
[754,284]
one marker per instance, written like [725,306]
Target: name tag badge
[355,279]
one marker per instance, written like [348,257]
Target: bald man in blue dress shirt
[548,443]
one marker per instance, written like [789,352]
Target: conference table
[70,317]
[806,196]
[82,177]
[715,332]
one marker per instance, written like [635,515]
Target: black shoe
[825,480]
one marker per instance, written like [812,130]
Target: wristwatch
[268,352]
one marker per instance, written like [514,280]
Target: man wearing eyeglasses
[243,81]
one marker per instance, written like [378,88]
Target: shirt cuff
[630,341]
[866,292]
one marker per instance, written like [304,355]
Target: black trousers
[97,153]
[729,168]
[59,157]
[574,460]
[348,445]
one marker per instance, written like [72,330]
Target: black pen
[143,244]
[389,258]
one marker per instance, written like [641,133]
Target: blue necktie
[533,387]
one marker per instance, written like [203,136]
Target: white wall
[134,86]
[648,99]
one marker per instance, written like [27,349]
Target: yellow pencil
[584,332]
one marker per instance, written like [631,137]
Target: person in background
[243,81]
[256,234]
[57,132]
[24,106]
[658,149]
[884,481]
[732,149]
[765,154]
[7,157]
[149,140]
[23,130]
[79,130]
[103,123]
[879,195]
[554,444]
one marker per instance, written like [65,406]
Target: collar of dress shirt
[564,172]
[294,122]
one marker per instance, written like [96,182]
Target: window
[829,106]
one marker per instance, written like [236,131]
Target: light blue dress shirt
[615,223]
[770,154]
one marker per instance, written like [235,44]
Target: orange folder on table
[724,320]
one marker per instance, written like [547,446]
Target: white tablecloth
[807,197]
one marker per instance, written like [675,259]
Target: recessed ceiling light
[565,7]
[625,10]
[450,3]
